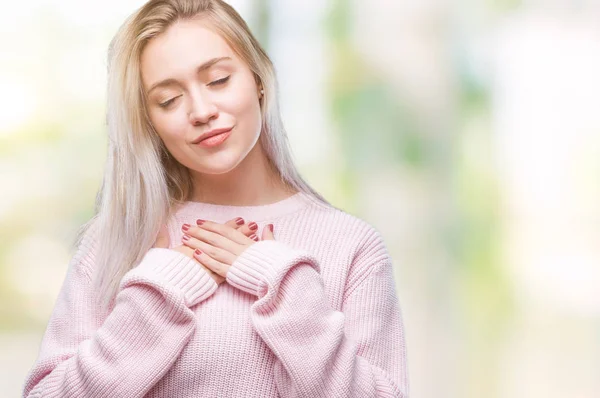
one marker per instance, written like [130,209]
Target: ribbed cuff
[260,265]
[384,385]
[172,269]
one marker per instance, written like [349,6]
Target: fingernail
[239,221]
[200,222]
[185,227]
[197,251]
[253,237]
[185,237]
[252,226]
[271,227]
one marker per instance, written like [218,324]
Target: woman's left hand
[219,245]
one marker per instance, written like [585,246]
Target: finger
[215,266]
[248,228]
[162,239]
[221,234]
[189,251]
[213,238]
[236,223]
[245,228]
[267,232]
[212,250]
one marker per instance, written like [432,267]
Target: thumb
[267,233]
[162,240]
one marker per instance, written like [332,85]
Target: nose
[202,108]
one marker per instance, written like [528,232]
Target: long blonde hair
[142,183]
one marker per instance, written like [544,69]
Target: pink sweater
[313,313]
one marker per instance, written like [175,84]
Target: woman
[198,164]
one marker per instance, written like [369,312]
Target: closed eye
[216,82]
[220,81]
[167,103]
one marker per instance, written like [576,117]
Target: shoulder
[364,238]
[86,246]
[357,240]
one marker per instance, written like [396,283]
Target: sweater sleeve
[126,352]
[321,352]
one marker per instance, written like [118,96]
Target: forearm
[322,352]
[137,343]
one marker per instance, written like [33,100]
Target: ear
[259,88]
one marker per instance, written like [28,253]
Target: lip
[215,140]
[211,133]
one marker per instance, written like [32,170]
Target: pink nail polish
[239,221]
[271,227]
[200,222]
[185,237]
[185,227]
[198,252]
[252,226]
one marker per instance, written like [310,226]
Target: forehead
[180,49]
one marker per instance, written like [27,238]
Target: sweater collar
[221,213]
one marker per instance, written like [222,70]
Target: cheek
[169,125]
[171,128]
[244,106]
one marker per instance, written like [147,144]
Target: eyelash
[216,82]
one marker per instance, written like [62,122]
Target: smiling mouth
[212,134]
[215,140]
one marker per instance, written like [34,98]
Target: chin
[218,163]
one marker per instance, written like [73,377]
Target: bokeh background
[467,132]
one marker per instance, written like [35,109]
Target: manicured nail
[185,237]
[185,227]
[198,252]
[239,221]
[200,222]
[271,227]
[253,237]
[252,226]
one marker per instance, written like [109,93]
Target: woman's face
[194,84]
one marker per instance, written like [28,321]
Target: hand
[216,246]
[163,241]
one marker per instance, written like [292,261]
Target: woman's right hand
[163,241]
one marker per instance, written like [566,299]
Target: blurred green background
[466,132]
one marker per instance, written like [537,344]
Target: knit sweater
[313,313]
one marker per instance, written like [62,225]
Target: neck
[253,182]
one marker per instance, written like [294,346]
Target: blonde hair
[142,183]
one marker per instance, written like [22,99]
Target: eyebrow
[207,65]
